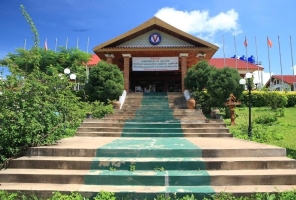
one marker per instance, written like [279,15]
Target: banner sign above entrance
[155,63]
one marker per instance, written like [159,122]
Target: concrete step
[157,147]
[168,163]
[147,125]
[152,177]
[45,190]
[157,125]
[156,118]
[149,115]
[153,129]
[148,134]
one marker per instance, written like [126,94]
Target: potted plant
[190,103]
[218,115]
[116,104]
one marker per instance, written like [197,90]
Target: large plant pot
[190,103]
[116,104]
[213,112]
[88,115]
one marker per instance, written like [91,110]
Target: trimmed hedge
[274,99]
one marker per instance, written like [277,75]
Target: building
[156,56]
[282,82]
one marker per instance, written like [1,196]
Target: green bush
[266,119]
[204,99]
[99,109]
[291,99]
[105,82]
[276,100]
[37,110]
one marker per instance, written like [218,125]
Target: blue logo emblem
[155,38]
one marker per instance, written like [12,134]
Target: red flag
[45,45]
[246,42]
[269,42]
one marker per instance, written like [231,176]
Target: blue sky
[211,20]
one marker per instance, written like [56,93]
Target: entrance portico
[155,54]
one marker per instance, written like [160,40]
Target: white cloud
[200,23]
[263,76]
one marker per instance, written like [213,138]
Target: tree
[35,110]
[197,76]
[28,60]
[223,82]
[105,82]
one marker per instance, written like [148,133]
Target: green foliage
[105,196]
[32,26]
[105,82]
[159,168]
[112,169]
[276,100]
[48,61]
[133,167]
[266,119]
[100,109]
[291,99]
[257,100]
[36,110]
[197,76]
[72,196]
[204,99]
[221,83]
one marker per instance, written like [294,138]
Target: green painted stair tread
[142,177]
[151,143]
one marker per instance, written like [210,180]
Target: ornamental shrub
[105,83]
[291,99]
[276,100]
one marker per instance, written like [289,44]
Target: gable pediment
[165,40]
[139,36]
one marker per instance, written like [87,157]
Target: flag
[45,45]
[246,42]
[269,42]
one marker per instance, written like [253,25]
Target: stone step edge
[235,190]
[212,173]
[150,159]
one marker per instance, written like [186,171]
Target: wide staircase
[152,146]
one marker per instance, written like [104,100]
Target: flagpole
[281,63]
[246,45]
[25,43]
[258,63]
[235,53]
[66,43]
[45,44]
[77,42]
[87,45]
[56,44]
[294,84]
[269,65]
[224,51]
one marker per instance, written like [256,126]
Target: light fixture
[249,87]
[67,71]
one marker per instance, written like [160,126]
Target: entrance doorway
[156,81]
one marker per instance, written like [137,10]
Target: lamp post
[72,76]
[249,87]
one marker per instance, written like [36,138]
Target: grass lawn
[280,133]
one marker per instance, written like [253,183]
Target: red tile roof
[93,60]
[286,78]
[231,62]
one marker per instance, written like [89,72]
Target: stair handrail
[122,98]
[187,94]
